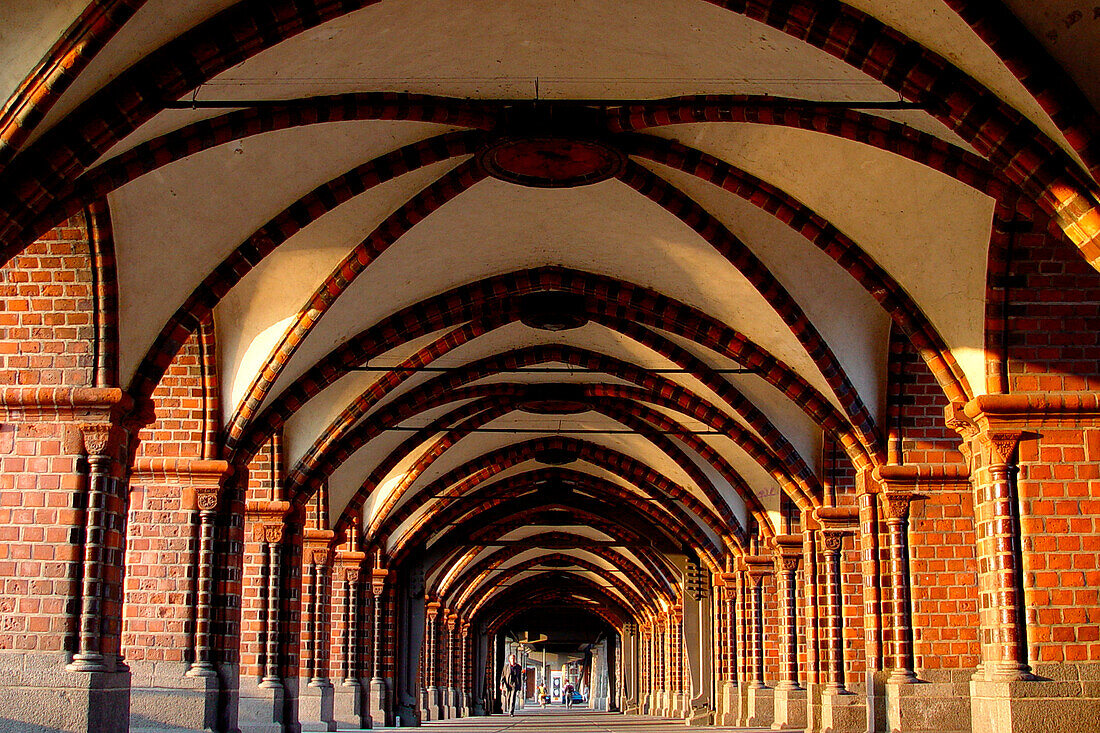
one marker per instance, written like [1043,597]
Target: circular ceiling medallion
[556,456]
[554,399]
[553,310]
[551,162]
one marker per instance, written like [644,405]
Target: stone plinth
[934,706]
[163,697]
[1066,698]
[260,708]
[37,688]
[843,712]
[348,709]
[316,706]
[790,710]
[760,707]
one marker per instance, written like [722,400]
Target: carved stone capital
[206,498]
[787,562]
[832,540]
[351,575]
[320,557]
[896,504]
[98,438]
[1002,445]
[378,578]
[268,532]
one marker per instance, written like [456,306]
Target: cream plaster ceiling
[173,226]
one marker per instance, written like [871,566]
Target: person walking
[511,679]
[569,695]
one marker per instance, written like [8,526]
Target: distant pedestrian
[511,678]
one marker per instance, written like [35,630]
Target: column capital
[758,567]
[897,504]
[378,577]
[725,580]
[350,560]
[788,552]
[317,546]
[100,438]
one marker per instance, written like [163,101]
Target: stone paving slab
[558,720]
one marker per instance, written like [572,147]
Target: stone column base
[36,689]
[843,712]
[378,703]
[163,697]
[1068,701]
[929,707]
[727,704]
[348,710]
[790,710]
[431,708]
[315,706]
[260,709]
[676,705]
[760,708]
[813,706]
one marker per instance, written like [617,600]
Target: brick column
[431,661]
[452,700]
[378,698]
[760,710]
[273,552]
[676,648]
[316,697]
[99,443]
[897,527]
[990,442]
[348,709]
[203,664]
[788,557]
[756,630]
[1001,609]
[789,697]
[350,668]
[832,542]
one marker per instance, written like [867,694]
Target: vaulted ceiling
[608,271]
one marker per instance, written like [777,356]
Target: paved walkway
[556,719]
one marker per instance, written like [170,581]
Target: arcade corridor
[733,362]
[577,721]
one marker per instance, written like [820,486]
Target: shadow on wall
[7,724]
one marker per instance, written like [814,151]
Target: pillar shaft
[788,568]
[89,655]
[897,527]
[833,542]
[351,627]
[756,630]
[203,664]
[376,637]
[273,551]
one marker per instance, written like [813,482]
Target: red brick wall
[160,562]
[851,572]
[178,403]
[46,323]
[915,405]
[1059,488]
[40,551]
[943,568]
[1053,315]
[772,640]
